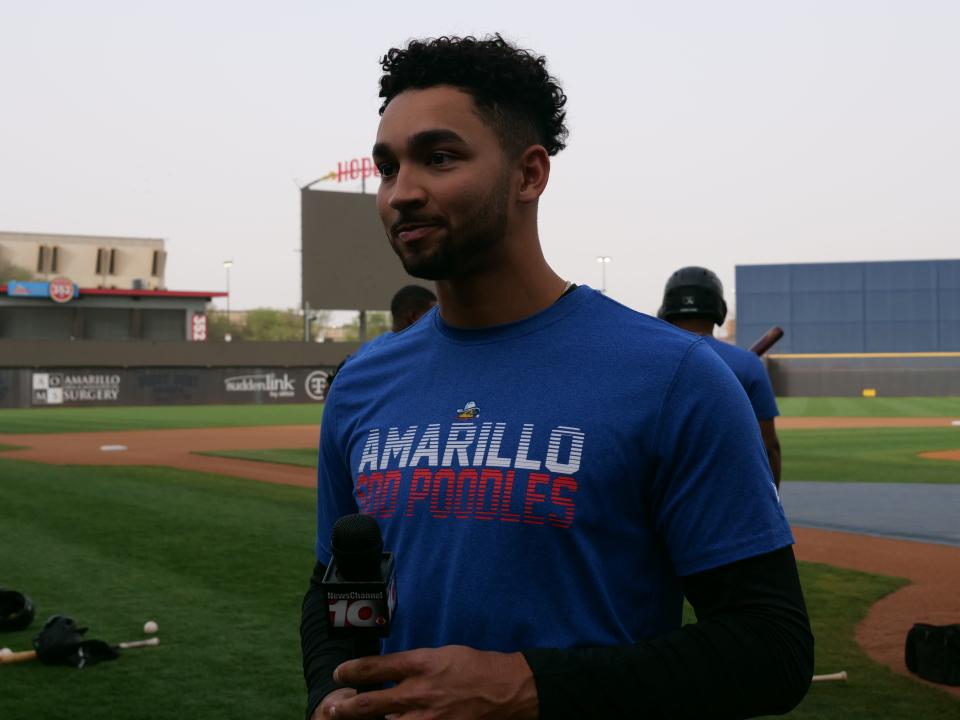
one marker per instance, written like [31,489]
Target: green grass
[52,420]
[220,563]
[57,420]
[869,407]
[869,455]
[4,448]
[837,600]
[302,457]
[847,455]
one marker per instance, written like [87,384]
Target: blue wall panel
[774,278]
[948,302]
[901,305]
[769,308]
[826,337]
[900,336]
[828,307]
[948,275]
[949,334]
[919,275]
[826,278]
[908,306]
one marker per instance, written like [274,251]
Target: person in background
[408,305]
[693,301]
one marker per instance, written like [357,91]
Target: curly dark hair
[511,87]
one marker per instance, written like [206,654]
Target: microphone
[360,581]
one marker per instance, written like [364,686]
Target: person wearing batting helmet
[693,301]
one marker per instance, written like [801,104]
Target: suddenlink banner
[166,386]
[275,386]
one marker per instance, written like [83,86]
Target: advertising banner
[172,386]
[59,289]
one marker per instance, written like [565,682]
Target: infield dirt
[176,448]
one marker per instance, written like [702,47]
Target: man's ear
[534,167]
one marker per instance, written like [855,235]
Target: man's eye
[386,169]
[440,158]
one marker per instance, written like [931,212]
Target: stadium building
[94,324]
[94,288]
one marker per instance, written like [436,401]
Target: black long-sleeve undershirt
[749,653]
[322,653]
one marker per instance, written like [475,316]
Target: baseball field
[204,523]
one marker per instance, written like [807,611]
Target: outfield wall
[848,375]
[904,306]
[82,373]
[78,373]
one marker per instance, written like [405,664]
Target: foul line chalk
[113,448]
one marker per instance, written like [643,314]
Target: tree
[268,325]
[218,326]
[261,325]
[378,322]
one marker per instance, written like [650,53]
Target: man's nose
[407,189]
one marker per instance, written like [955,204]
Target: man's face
[444,191]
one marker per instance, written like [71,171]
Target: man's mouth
[411,232]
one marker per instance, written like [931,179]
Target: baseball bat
[767,341]
[842,675]
[28,655]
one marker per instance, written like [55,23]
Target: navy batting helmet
[16,610]
[693,291]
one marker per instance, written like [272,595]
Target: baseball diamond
[932,595]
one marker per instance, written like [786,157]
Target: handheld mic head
[360,582]
[357,547]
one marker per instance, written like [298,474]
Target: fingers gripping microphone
[360,581]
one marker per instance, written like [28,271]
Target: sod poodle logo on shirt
[511,472]
[468,411]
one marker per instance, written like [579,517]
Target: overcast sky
[709,133]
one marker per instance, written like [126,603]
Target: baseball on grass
[150,627]
[5,651]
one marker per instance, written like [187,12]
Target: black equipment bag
[61,642]
[933,652]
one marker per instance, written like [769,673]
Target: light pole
[227,264]
[603,260]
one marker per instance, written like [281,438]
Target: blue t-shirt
[545,483]
[371,345]
[752,375]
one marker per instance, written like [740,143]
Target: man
[409,304]
[693,300]
[545,529]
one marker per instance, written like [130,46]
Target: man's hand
[453,682]
[323,711]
